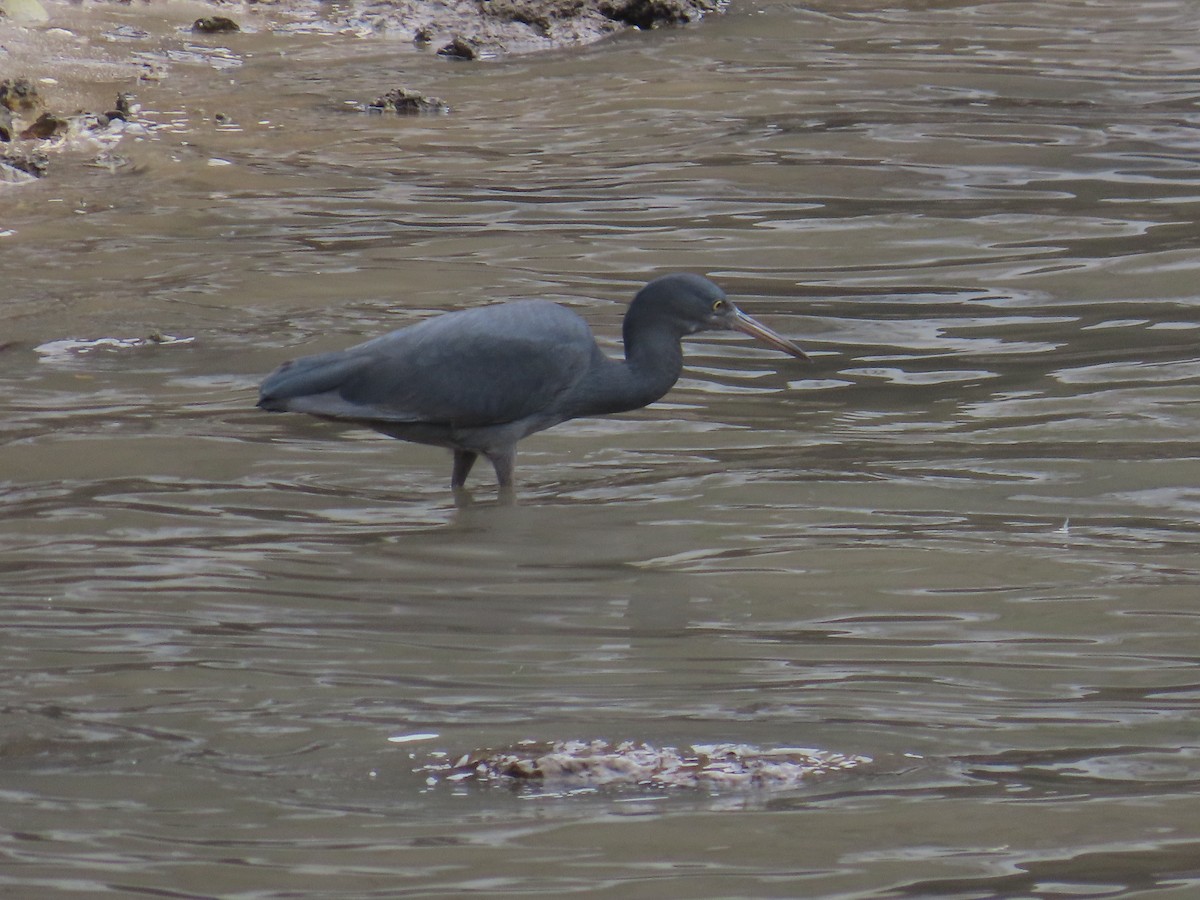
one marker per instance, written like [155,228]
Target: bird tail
[305,377]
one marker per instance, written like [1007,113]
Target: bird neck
[652,364]
[653,353]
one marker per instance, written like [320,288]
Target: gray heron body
[478,381]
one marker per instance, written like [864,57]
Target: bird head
[693,303]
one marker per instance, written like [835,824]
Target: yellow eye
[718,305]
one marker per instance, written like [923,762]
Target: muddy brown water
[964,542]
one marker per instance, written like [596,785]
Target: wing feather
[479,367]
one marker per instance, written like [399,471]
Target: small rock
[215,25]
[459,48]
[6,125]
[20,95]
[48,125]
[423,37]
[23,11]
[34,163]
[407,103]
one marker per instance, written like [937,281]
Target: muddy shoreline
[44,59]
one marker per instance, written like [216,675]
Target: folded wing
[479,367]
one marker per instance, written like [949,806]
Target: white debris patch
[69,348]
[628,764]
[413,738]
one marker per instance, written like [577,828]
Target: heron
[479,380]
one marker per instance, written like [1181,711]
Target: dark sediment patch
[653,13]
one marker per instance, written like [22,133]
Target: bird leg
[503,461]
[463,460]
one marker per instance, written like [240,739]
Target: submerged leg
[503,461]
[463,460]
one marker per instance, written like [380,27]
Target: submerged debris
[629,764]
[407,102]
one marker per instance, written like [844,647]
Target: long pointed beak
[747,325]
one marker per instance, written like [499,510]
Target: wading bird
[479,380]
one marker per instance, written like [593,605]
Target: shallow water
[963,542]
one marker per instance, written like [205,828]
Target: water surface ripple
[964,542]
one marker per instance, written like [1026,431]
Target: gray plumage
[479,380]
